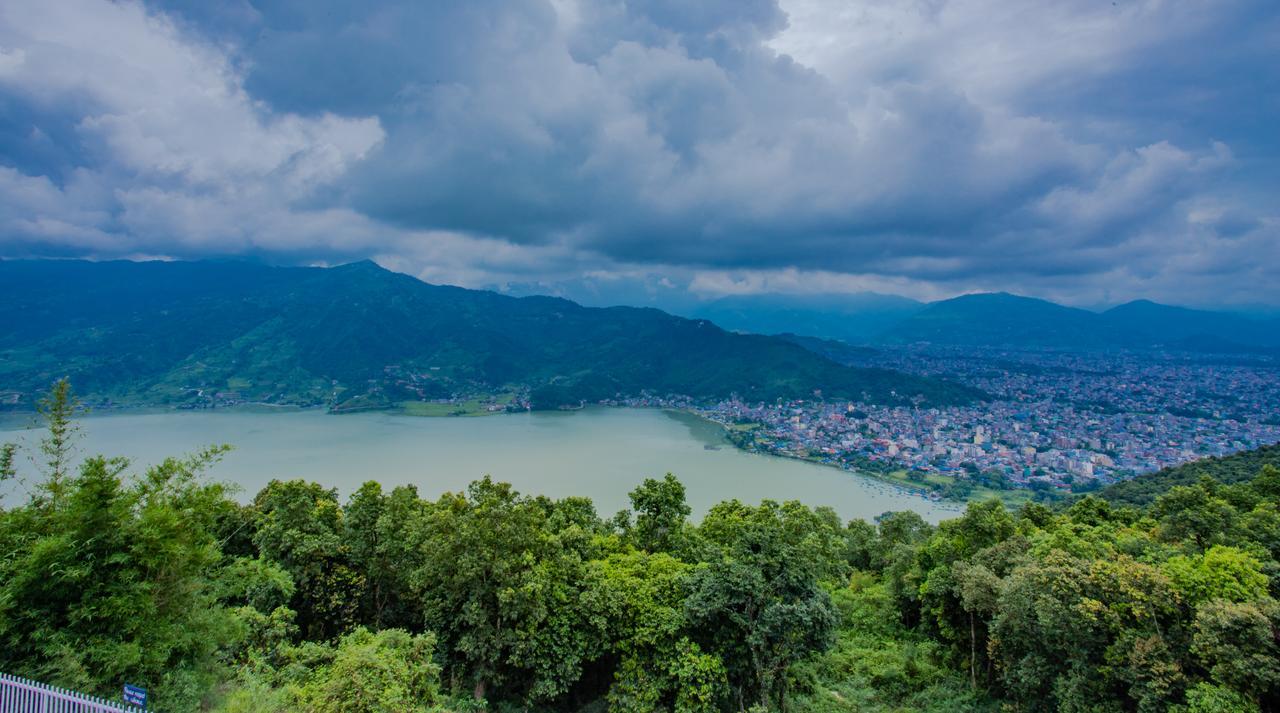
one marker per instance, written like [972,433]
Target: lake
[601,453]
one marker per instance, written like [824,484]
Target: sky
[1085,151]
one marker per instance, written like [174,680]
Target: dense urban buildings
[1054,419]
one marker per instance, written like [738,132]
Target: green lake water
[597,452]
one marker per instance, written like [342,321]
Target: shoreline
[892,483]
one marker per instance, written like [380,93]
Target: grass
[468,407]
[1011,498]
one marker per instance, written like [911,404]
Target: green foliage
[59,410]
[1239,467]
[758,606]
[300,527]
[1221,573]
[1236,641]
[389,671]
[111,582]
[508,594]
[1208,698]
[386,672]
[8,452]
[378,529]
[660,514]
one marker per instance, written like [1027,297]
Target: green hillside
[160,333]
[1235,468]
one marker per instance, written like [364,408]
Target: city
[1055,420]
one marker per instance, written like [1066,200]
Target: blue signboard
[135,696]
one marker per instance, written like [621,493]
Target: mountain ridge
[1004,319]
[170,333]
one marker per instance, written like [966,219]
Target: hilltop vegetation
[360,336]
[1235,468]
[492,600]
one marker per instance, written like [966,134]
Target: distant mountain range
[1010,320]
[858,317]
[178,332]
[995,319]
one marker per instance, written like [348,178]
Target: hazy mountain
[1164,325]
[1009,320]
[999,318]
[156,332]
[853,318]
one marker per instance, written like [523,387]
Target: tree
[59,409]
[8,451]
[379,531]
[113,585]
[861,544]
[759,606]
[300,527]
[660,514]
[1072,633]
[659,668]
[1208,698]
[510,598]
[904,527]
[955,589]
[390,671]
[1220,573]
[1236,641]
[1195,512]
[1267,482]
[979,592]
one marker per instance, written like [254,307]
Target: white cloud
[190,157]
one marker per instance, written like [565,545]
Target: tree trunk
[973,654]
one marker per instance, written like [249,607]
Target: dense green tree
[1196,513]
[378,529]
[300,527]
[390,671]
[759,605]
[661,513]
[1236,641]
[387,672]
[254,582]
[112,582]
[1076,634]
[660,668]
[509,598]
[1221,573]
[861,544]
[1208,698]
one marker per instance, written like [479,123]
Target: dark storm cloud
[1051,148]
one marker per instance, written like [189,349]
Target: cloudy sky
[1088,151]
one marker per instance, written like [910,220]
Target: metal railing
[18,695]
